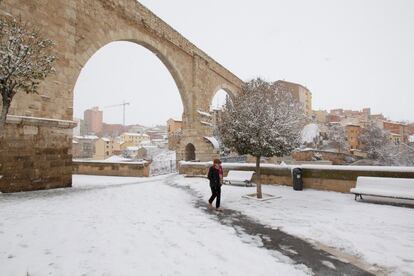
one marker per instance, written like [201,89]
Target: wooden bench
[401,188]
[243,178]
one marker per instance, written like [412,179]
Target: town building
[136,129]
[319,116]
[174,126]
[299,93]
[103,148]
[158,132]
[76,149]
[353,133]
[86,146]
[94,120]
[398,131]
[174,130]
[134,138]
[112,130]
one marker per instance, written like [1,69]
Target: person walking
[215,184]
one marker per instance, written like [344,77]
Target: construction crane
[124,104]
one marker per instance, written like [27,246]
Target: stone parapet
[322,177]
[111,169]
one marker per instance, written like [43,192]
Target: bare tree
[337,136]
[25,60]
[261,121]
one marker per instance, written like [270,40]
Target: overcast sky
[349,53]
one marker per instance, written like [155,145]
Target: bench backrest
[383,183]
[240,175]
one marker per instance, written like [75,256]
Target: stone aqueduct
[35,153]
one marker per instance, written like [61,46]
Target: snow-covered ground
[123,226]
[381,235]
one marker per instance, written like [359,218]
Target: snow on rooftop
[106,139]
[87,137]
[136,134]
[118,159]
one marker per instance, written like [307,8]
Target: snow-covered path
[379,235]
[122,226]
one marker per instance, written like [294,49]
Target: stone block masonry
[34,154]
[111,169]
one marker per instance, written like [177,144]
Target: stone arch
[190,152]
[231,91]
[79,29]
[92,48]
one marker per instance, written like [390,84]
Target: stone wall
[323,177]
[335,157]
[111,169]
[34,154]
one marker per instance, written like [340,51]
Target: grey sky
[350,54]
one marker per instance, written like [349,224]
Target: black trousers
[215,193]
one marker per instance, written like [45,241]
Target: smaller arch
[190,152]
[219,100]
[231,91]
[220,92]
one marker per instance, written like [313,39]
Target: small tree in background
[25,60]
[337,136]
[375,141]
[261,121]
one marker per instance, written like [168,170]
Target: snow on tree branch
[337,136]
[263,120]
[25,60]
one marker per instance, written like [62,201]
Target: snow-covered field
[142,226]
[123,226]
[381,235]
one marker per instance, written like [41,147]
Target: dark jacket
[214,177]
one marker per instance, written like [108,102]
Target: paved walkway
[298,250]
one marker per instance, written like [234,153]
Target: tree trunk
[258,180]
[3,118]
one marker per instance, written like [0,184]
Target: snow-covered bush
[262,120]
[25,60]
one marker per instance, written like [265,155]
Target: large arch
[79,29]
[82,59]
